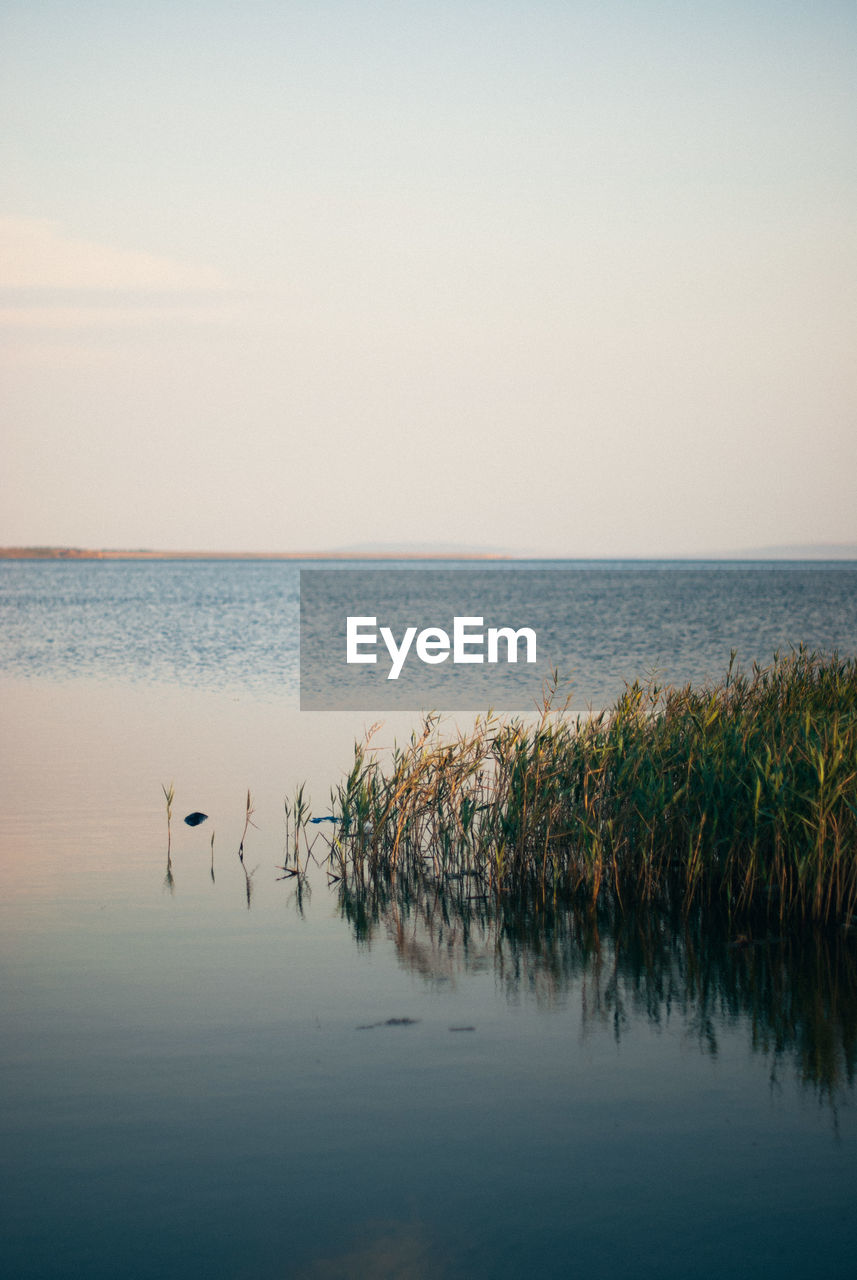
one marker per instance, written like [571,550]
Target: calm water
[222,625]
[198,1073]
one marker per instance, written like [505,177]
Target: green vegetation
[743,795]
[169,796]
[297,816]
[248,822]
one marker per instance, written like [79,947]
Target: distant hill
[801,551]
[422,550]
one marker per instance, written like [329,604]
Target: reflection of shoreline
[796,993]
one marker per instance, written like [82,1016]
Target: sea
[208,1069]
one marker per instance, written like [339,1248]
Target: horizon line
[841,551]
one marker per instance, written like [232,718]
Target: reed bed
[742,794]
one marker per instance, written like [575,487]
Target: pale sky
[560,278]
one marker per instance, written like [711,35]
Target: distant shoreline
[834,555]
[86,553]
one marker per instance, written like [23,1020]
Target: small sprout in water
[169,796]
[195,818]
[248,822]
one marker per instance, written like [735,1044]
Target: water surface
[198,1082]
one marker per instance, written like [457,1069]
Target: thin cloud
[56,287]
[37,254]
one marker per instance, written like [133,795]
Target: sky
[572,279]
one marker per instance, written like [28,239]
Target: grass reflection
[795,992]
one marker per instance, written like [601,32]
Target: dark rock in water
[194,819]
[400,1022]
[390,1022]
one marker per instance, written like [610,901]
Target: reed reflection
[795,992]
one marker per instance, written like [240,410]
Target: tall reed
[743,793]
[296,817]
[248,822]
[169,796]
